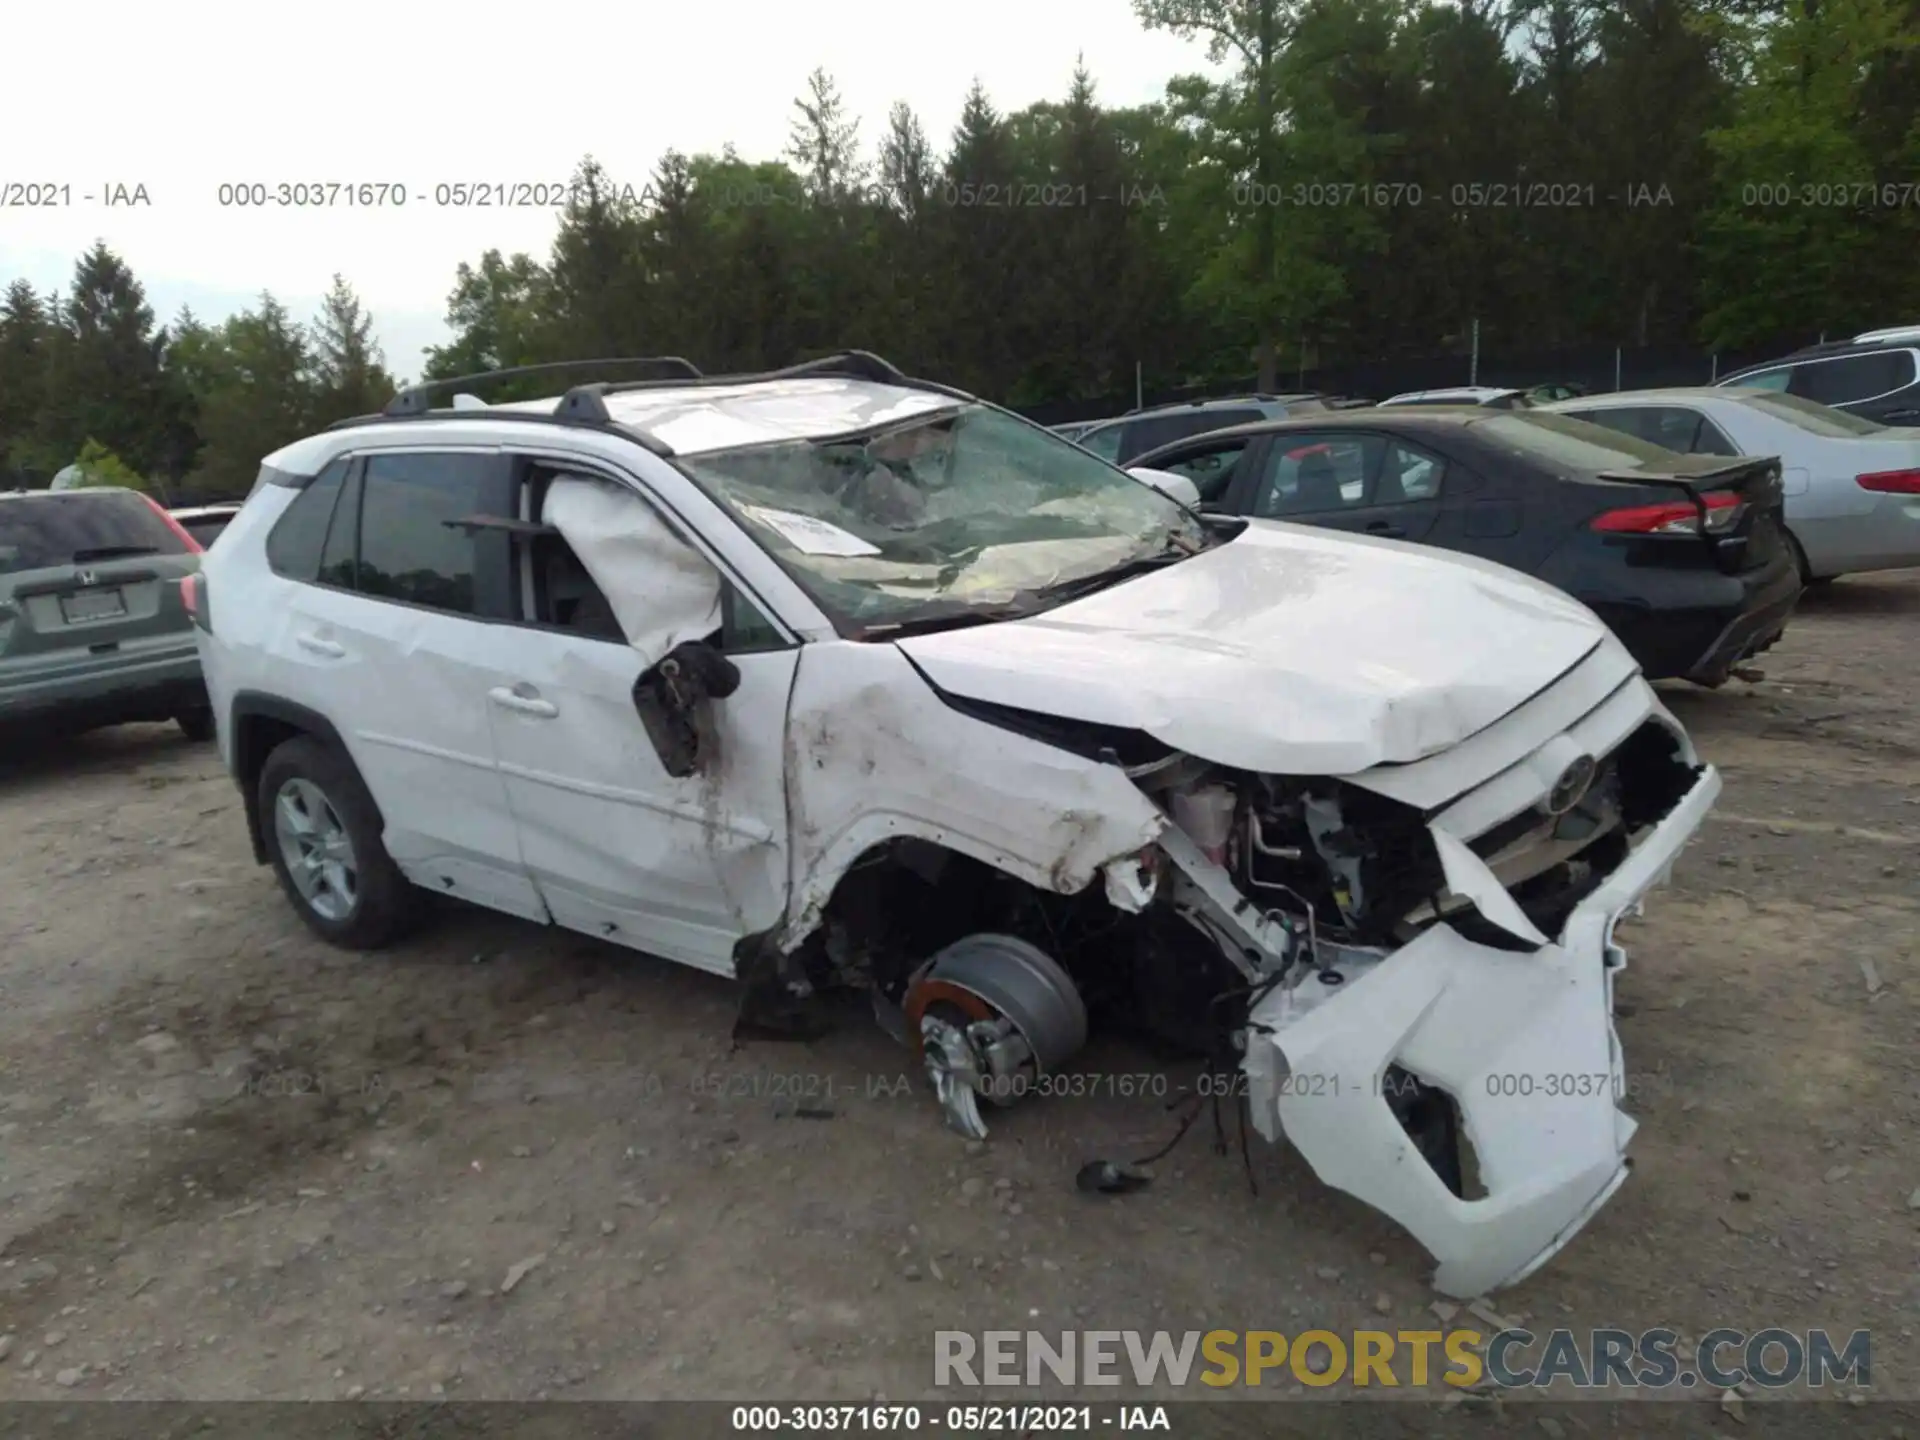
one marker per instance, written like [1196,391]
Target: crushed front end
[1430,958]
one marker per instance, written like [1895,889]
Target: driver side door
[681,867]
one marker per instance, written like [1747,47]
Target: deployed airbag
[662,590]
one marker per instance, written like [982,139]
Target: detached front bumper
[1524,1044]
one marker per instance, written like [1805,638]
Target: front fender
[874,754]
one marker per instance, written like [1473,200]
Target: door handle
[320,647]
[1387,528]
[513,699]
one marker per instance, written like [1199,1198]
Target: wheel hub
[316,849]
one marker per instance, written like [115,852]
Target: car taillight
[1677,517]
[186,536]
[1891,482]
[193,595]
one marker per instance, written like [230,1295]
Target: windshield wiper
[1176,549]
[111,552]
[942,619]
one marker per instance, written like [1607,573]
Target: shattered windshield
[959,513]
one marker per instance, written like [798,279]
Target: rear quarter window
[297,538]
[39,532]
[1853,378]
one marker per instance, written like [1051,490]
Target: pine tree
[349,373]
[25,337]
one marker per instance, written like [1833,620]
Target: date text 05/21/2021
[948,1419]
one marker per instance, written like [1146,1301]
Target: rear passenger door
[1369,483]
[393,634]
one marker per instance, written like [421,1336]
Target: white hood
[1288,651]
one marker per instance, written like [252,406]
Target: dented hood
[1286,650]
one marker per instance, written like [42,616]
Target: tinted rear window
[39,532]
[1811,416]
[1854,377]
[1564,443]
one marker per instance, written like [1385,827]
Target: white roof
[1895,332]
[698,418]
[1721,394]
[1471,394]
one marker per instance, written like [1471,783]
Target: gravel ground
[504,1162]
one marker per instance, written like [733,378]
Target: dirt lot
[236,1164]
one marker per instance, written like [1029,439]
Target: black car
[1139,431]
[1875,376]
[1684,556]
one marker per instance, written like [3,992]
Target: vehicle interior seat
[1319,485]
[573,601]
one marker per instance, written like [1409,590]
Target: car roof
[1642,397]
[847,393]
[1868,344]
[1411,420]
[67,494]
[1203,407]
[1894,334]
[1477,392]
[696,419]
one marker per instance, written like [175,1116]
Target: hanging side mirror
[1177,488]
[674,699]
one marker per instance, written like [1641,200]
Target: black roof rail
[850,364]
[413,400]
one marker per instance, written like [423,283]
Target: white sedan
[1852,487]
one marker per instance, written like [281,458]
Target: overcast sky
[182,97]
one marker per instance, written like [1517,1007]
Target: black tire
[384,904]
[196,725]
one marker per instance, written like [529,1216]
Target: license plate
[92,605]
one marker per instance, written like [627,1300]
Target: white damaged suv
[832,676]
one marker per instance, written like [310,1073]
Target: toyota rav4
[833,676]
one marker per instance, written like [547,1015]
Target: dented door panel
[620,849]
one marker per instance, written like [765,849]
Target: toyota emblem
[1571,787]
